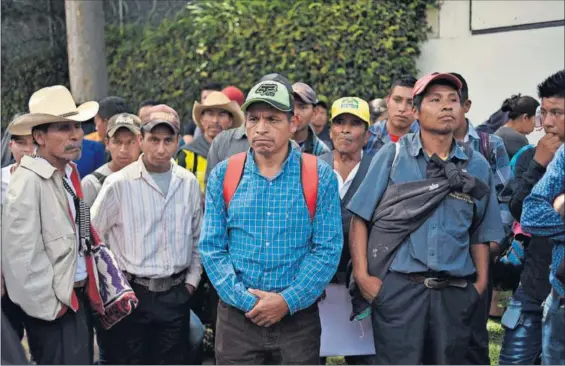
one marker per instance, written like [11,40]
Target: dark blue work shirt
[441,244]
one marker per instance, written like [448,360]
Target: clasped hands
[268,310]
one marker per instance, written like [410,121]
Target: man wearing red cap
[234,94]
[424,298]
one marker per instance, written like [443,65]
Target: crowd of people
[284,223]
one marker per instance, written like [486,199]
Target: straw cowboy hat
[218,100]
[52,104]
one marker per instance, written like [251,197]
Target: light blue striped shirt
[151,234]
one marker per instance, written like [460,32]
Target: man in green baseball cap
[259,205]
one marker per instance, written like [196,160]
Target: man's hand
[270,308]
[481,287]
[546,149]
[558,203]
[369,286]
[190,289]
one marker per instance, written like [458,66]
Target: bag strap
[484,145]
[308,176]
[514,159]
[82,219]
[100,177]
[234,171]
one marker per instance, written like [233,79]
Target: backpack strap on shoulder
[309,177]
[234,171]
[100,177]
[484,146]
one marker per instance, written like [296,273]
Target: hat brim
[130,127]
[353,113]
[231,107]
[24,124]
[149,126]
[273,104]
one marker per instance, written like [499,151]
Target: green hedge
[339,47]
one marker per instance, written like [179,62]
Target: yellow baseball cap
[352,105]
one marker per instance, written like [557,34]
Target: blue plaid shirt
[500,167]
[379,136]
[266,239]
[541,219]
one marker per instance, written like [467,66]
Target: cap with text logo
[123,120]
[352,105]
[272,92]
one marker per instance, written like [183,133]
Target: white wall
[495,65]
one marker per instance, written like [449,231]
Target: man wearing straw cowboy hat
[215,114]
[44,268]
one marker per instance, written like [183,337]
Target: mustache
[73,147]
[347,138]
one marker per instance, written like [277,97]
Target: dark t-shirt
[513,141]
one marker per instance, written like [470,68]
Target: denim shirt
[442,243]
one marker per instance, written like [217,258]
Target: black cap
[110,106]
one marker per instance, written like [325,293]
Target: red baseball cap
[234,94]
[425,80]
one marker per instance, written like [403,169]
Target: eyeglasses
[539,122]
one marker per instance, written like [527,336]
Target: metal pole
[85,48]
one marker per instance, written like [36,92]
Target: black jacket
[346,215]
[537,253]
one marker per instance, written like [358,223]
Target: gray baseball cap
[305,93]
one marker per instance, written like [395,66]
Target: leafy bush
[339,47]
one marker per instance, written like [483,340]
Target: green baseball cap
[272,92]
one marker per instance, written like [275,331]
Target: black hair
[464,87]
[418,98]
[110,106]
[148,103]
[553,86]
[43,128]
[518,105]
[406,81]
[212,85]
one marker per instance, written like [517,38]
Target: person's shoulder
[225,135]
[183,173]
[478,165]
[218,172]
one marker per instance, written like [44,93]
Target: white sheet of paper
[340,336]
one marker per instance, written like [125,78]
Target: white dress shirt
[151,234]
[343,185]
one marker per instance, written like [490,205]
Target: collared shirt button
[267,244]
[432,254]
[268,214]
[433,226]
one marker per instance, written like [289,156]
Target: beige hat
[52,104]
[218,100]
[125,120]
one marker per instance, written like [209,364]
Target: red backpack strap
[309,176]
[234,171]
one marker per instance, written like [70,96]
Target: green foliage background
[339,47]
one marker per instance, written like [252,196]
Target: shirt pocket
[458,214]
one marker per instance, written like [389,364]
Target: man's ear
[467,105]
[294,122]
[416,113]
